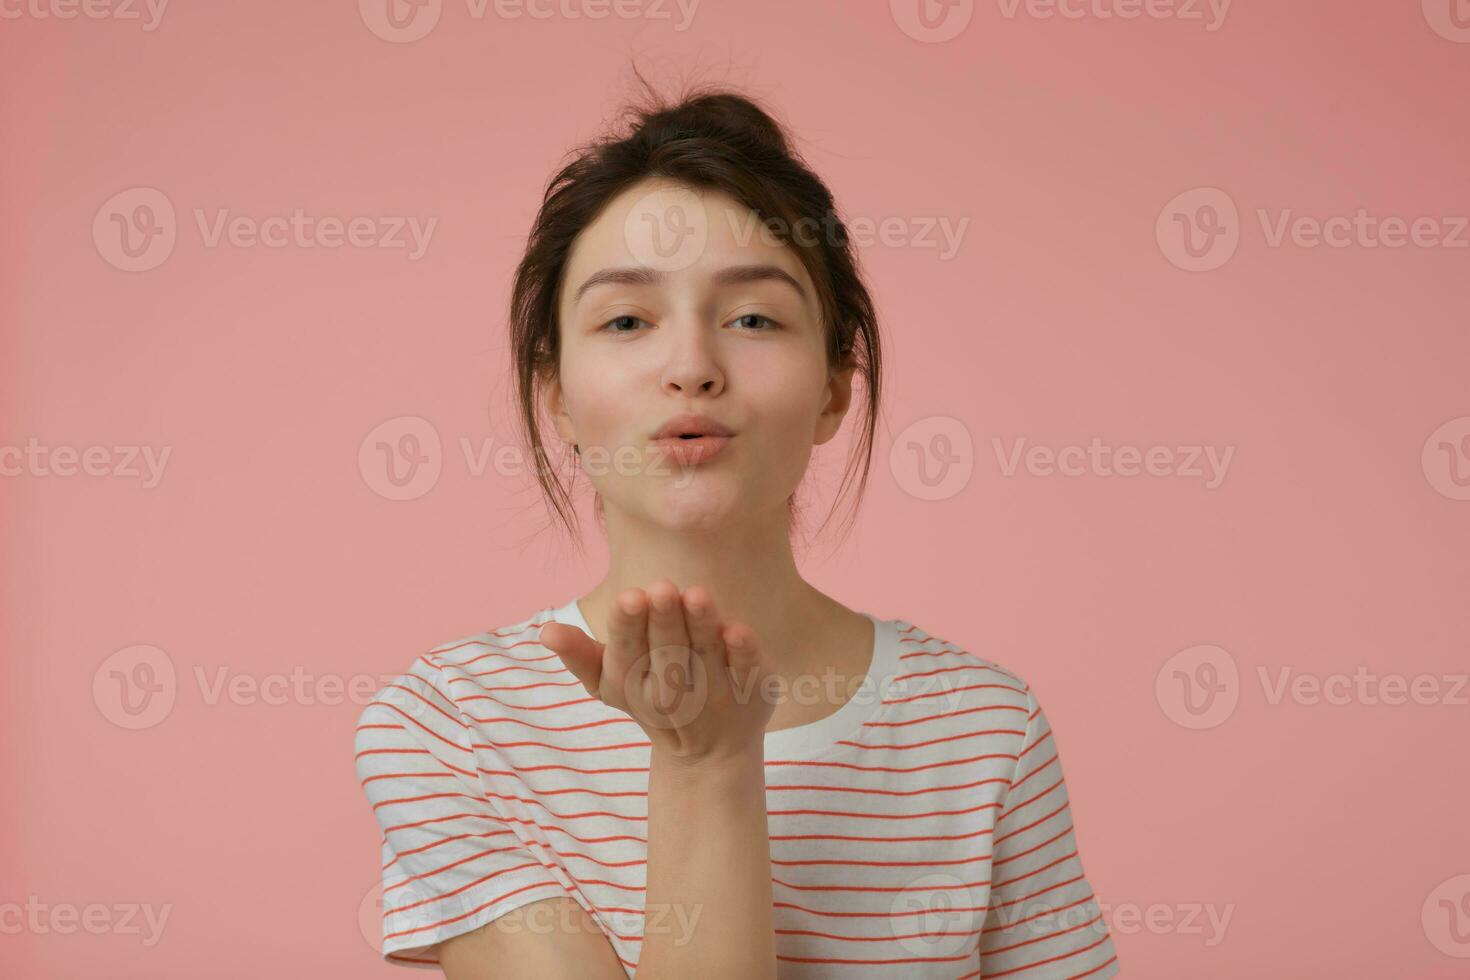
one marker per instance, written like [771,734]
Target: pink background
[1335,542]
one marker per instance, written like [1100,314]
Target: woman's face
[675,301]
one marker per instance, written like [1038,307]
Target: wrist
[712,767]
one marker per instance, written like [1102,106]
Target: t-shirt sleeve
[450,863]
[1042,921]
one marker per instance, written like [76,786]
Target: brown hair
[712,138]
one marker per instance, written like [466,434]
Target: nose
[692,365]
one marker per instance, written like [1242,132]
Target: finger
[625,661]
[581,654]
[703,621]
[668,645]
[748,670]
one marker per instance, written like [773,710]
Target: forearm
[709,872]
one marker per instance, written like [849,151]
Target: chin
[699,504]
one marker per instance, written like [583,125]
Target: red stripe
[424,823]
[394,707]
[890,792]
[1026,803]
[946,670]
[1040,820]
[883,816]
[520,687]
[874,888]
[868,915]
[939,717]
[933,653]
[951,690]
[565,748]
[1031,874]
[935,741]
[931,765]
[1003,926]
[931,862]
[1042,939]
[499,651]
[454,864]
[1055,959]
[445,922]
[882,840]
[1031,850]
[1079,976]
[912,959]
[441,841]
[1040,891]
[552,728]
[470,679]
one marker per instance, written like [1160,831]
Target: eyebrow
[732,275]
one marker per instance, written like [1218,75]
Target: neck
[748,568]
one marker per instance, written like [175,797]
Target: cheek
[597,400]
[785,398]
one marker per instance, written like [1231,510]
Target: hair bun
[720,116]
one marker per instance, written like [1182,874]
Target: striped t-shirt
[922,830]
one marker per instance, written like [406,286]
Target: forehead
[679,231]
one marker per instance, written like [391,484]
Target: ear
[554,401]
[838,401]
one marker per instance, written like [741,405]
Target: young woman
[705,766]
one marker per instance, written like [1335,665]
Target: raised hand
[697,686]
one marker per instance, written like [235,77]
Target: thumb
[581,654]
[745,659]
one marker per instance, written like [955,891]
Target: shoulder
[443,676]
[921,653]
[976,690]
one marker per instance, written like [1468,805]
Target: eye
[625,320]
[754,316]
